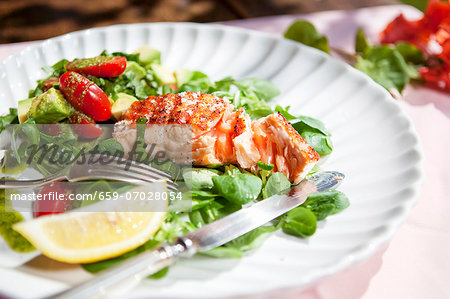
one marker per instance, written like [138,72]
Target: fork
[116,169]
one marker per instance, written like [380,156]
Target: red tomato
[54,199]
[51,129]
[433,26]
[85,96]
[401,29]
[85,126]
[100,66]
[50,82]
[435,14]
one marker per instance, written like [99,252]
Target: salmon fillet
[221,135]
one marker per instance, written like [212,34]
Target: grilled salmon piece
[230,141]
[281,145]
[221,135]
[202,111]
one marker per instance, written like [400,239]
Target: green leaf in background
[386,66]
[324,204]
[300,222]
[361,42]
[277,183]
[410,53]
[239,189]
[419,4]
[305,33]
[390,66]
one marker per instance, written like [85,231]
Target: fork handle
[136,268]
[8,184]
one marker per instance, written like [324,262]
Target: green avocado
[183,76]
[23,108]
[163,74]
[148,55]
[50,107]
[122,104]
[138,70]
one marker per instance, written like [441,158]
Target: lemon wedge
[85,237]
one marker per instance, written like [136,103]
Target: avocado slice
[49,107]
[138,70]
[122,104]
[183,76]
[23,108]
[148,55]
[163,74]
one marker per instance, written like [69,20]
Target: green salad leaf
[200,178]
[304,32]
[110,146]
[252,239]
[237,247]
[56,70]
[105,264]
[8,218]
[324,204]
[300,222]
[224,252]
[262,88]
[285,112]
[315,133]
[7,119]
[239,189]
[130,57]
[277,183]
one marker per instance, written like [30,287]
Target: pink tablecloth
[416,263]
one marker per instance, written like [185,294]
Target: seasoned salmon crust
[221,135]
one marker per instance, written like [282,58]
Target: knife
[208,237]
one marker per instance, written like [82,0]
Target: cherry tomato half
[85,126]
[51,129]
[50,82]
[85,96]
[54,199]
[100,66]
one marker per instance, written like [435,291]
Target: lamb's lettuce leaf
[304,32]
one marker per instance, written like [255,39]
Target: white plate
[375,146]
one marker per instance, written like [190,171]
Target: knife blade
[210,236]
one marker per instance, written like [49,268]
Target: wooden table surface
[24,20]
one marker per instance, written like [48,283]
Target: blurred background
[25,20]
